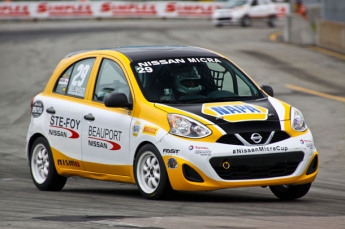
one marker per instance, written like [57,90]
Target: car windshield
[234,3]
[193,80]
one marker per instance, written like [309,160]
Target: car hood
[255,115]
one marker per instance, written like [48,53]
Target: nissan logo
[256,138]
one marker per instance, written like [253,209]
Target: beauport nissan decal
[103,137]
[67,127]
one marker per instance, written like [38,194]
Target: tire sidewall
[164,180]
[45,185]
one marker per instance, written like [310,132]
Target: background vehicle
[244,12]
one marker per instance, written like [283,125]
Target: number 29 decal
[145,70]
[79,78]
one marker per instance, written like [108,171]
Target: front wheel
[290,192]
[150,173]
[42,167]
[246,21]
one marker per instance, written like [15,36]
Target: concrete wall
[298,30]
[331,35]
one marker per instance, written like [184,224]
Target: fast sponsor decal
[261,149]
[136,128]
[64,127]
[14,10]
[235,111]
[37,108]
[170,151]
[68,163]
[104,138]
[172,163]
[150,130]
[123,8]
[65,9]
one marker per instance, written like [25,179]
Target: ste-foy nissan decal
[103,137]
[235,111]
[69,127]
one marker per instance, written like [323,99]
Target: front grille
[231,139]
[257,166]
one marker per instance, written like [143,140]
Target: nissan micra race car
[166,118]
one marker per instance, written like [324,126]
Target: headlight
[186,127]
[297,120]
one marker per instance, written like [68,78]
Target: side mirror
[116,100]
[268,90]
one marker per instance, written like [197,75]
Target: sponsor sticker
[171,151]
[69,163]
[261,149]
[150,130]
[37,109]
[307,143]
[235,111]
[64,127]
[200,150]
[104,138]
[172,163]
[136,128]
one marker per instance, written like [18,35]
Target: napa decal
[64,127]
[235,111]
[104,138]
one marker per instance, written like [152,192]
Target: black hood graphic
[248,116]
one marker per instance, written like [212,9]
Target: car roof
[137,53]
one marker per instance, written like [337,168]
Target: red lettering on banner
[78,9]
[185,9]
[14,10]
[129,8]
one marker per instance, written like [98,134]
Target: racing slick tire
[246,21]
[150,174]
[42,168]
[272,21]
[290,192]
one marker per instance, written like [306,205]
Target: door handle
[89,117]
[50,110]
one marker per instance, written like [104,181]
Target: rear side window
[74,80]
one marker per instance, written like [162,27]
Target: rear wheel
[290,192]
[42,167]
[272,21]
[150,174]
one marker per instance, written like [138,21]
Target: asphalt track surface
[30,51]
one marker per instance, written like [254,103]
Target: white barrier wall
[113,9]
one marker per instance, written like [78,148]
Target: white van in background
[243,12]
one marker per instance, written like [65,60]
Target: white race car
[243,12]
[166,118]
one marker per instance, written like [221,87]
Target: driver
[186,80]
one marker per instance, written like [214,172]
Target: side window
[79,78]
[110,79]
[74,80]
[255,3]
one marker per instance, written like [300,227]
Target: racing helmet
[186,79]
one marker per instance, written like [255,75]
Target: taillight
[32,104]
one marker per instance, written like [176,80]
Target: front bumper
[209,166]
